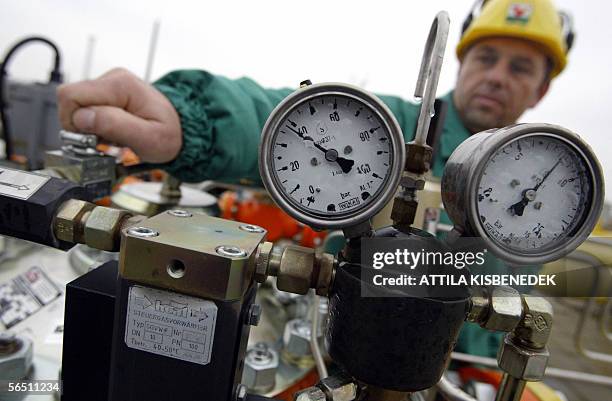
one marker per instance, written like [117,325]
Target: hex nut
[264,252]
[534,328]
[103,226]
[295,269]
[505,310]
[339,388]
[260,365]
[68,222]
[418,158]
[310,394]
[325,276]
[522,363]
[16,365]
[296,337]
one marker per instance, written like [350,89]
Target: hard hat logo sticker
[519,12]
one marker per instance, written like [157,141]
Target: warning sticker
[169,324]
[20,184]
[25,295]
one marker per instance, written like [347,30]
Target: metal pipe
[429,74]
[314,338]
[510,389]
[374,393]
[550,372]
[451,392]
[152,49]
[89,50]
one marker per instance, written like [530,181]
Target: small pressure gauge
[331,155]
[534,192]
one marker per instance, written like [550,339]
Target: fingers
[121,108]
[111,89]
[118,126]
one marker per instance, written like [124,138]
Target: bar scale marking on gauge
[349,143]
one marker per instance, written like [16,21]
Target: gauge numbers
[534,192]
[331,155]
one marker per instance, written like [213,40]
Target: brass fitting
[262,261]
[103,228]
[70,220]
[479,304]
[418,158]
[503,312]
[404,211]
[522,362]
[99,227]
[295,269]
[298,269]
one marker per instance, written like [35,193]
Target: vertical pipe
[89,50]
[152,49]
[510,389]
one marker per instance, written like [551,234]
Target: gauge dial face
[331,155]
[533,193]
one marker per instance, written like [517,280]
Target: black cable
[55,76]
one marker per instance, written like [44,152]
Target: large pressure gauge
[331,155]
[534,192]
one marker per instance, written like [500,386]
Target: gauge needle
[330,154]
[529,194]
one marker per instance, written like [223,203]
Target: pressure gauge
[331,155]
[534,192]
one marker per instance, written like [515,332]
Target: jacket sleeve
[221,120]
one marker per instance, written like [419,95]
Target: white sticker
[169,324]
[20,184]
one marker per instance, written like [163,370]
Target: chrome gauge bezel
[567,244]
[322,220]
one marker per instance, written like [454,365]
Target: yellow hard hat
[534,20]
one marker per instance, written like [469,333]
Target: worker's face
[498,80]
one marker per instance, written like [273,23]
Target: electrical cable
[55,76]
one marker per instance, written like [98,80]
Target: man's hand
[121,108]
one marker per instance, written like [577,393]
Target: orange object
[309,380]
[258,209]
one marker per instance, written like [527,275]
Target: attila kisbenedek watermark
[393,264]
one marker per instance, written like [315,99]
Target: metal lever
[429,74]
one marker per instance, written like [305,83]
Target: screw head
[142,232]
[251,228]
[179,213]
[231,251]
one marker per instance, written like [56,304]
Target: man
[199,126]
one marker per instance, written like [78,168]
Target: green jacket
[222,121]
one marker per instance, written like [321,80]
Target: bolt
[251,228]
[179,213]
[314,161]
[254,315]
[9,343]
[530,194]
[241,392]
[347,150]
[142,232]
[305,83]
[515,183]
[537,205]
[260,354]
[231,251]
